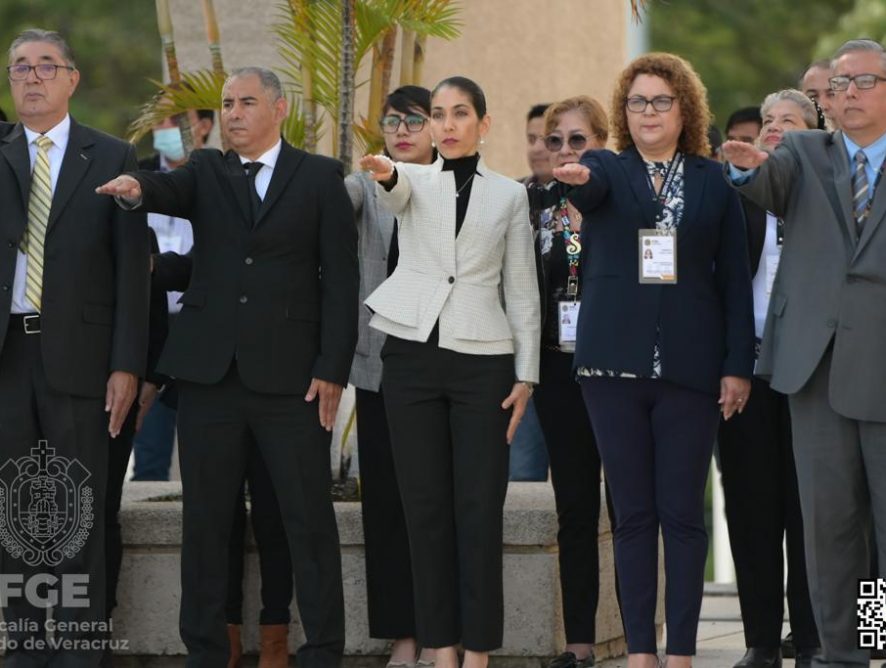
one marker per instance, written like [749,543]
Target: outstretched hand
[125,187]
[380,167]
[573,174]
[743,155]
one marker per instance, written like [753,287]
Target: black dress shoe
[787,647]
[805,656]
[569,660]
[760,657]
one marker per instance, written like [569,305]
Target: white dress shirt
[173,235]
[769,259]
[59,136]
[268,159]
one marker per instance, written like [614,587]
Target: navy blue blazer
[706,320]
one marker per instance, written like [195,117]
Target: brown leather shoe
[236,646]
[274,646]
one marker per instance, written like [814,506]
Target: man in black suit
[261,350]
[73,341]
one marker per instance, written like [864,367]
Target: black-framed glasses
[555,143]
[637,104]
[44,71]
[862,81]
[390,124]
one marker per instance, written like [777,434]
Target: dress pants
[841,466]
[389,591]
[75,428]
[575,474]
[656,439]
[448,432]
[119,450]
[762,507]
[216,423]
[270,539]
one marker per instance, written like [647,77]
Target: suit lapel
[287,164]
[75,164]
[694,177]
[476,206]
[635,172]
[841,183]
[15,149]
[878,211]
[239,184]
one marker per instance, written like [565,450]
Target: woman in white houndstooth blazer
[462,316]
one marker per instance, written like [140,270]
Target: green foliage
[744,50]
[201,90]
[116,46]
[866,19]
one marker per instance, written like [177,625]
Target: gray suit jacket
[375,226]
[831,285]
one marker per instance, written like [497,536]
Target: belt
[29,323]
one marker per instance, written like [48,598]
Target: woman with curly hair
[665,338]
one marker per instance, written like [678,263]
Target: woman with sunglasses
[571,127]
[389,590]
[665,338]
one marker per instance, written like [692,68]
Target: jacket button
[5,288]
[832,322]
[11,244]
[248,260]
[452,279]
[243,299]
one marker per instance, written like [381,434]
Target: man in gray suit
[825,338]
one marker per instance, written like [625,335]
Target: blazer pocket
[98,314]
[192,297]
[779,302]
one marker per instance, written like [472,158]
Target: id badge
[657,257]
[567,319]
[771,271]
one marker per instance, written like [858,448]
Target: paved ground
[720,638]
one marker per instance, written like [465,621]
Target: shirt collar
[268,158]
[59,134]
[875,152]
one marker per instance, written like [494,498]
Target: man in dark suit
[263,343]
[73,341]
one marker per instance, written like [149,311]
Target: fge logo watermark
[46,507]
[45,590]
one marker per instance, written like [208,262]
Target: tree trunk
[407,57]
[164,24]
[346,87]
[380,80]
[419,59]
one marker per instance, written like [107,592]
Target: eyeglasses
[638,104]
[862,81]
[555,142]
[390,124]
[44,71]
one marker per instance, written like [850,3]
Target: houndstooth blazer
[461,281]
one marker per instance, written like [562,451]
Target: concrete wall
[520,51]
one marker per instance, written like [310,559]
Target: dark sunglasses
[390,124]
[555,142]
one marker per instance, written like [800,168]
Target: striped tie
[38,217]
[860,190]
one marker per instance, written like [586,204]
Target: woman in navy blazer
[659,356]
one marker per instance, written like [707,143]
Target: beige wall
[520,52]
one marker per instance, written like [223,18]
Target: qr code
[872,614]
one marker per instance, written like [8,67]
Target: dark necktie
[860,190]
[254,200]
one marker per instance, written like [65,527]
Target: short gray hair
[269,81]
[807,108]
[48,36]
[823,64]
[863,44]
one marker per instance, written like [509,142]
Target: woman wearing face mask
[389,590]
[458,367]
[571,127]
[756,456]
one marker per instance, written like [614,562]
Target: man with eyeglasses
[823,343]
[73,341]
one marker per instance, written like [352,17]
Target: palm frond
[198,90]
[637,7]
[434,18]
[294,128]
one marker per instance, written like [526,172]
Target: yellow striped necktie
[39,205]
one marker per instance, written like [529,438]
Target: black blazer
[705,323]
[95,279]
[281,295]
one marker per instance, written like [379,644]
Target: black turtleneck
[463,169]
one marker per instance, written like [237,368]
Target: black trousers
[762,505]
[656,439]
[49,494]
[275,565]
[216,423]
[575,474]
[119,450]
[448,432]
[389,592]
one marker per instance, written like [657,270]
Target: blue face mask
[168,142]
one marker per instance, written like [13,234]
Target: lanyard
[573,249]
[667,184]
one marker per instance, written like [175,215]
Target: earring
[433,144]
[482,141]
